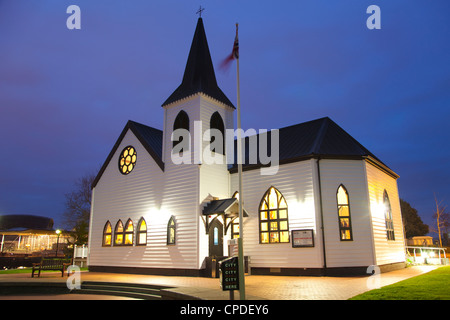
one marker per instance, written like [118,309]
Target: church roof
[149,137]
[317,138]
[199,76]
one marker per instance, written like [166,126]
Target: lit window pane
[263,215]
[273,214]
[345,222]
[216,236]
[342,196]
[264,226]
[129,226]
[284,236]
[283,203]
[129,238]
[264,205]
[283,214]
[343,211]
[274,237]
[142,238]
[264,237]
[345,235]
[273,200]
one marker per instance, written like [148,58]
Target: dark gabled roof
[317,138]
[222,206]
[149,137]
[199,73]
[19,222]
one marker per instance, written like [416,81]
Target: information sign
[229,274]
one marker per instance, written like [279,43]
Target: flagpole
[241,198]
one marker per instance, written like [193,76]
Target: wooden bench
[51,264]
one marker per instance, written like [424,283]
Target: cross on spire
[199,12]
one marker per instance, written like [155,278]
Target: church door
[216,239]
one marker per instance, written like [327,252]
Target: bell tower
[198,104]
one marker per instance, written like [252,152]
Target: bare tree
[442,220]
[78,208]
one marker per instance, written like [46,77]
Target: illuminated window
[107,234]
[235,228]
[388,216]
[181,122]
[216,236]
[171,228]
[129,233]
[216,122]
[141,233]
[127,160]
[273,218]
[343,205]
[118,233]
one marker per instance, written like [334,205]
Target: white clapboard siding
[386,251]
[146,192]
[214,177]
[295,182]
[351,174]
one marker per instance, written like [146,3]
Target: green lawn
[434,285]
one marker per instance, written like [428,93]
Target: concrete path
[257,287]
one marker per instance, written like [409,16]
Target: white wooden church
[332,207]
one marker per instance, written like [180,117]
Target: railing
[80,251]
[428,255]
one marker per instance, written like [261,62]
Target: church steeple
[199,73]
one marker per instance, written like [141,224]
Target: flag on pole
[234,55]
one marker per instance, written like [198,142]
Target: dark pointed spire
[199,74]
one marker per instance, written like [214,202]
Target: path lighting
[58,233]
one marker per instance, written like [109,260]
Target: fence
[80,254]
[428,255]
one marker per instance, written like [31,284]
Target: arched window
[141,233]
[181,122]
[216,122]
[171,228]
[107,235]
[118,233]
[388,216]
[273,218]
[129,233]
[343,206]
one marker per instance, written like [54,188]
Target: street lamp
[58,233]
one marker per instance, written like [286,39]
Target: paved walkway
[257,287]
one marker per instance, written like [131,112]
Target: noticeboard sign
[302,238]
[229,274]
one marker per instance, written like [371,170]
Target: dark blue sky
[65,95]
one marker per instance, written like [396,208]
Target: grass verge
[434,285]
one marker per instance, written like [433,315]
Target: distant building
[420,241]
[28,234]
[332,208]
